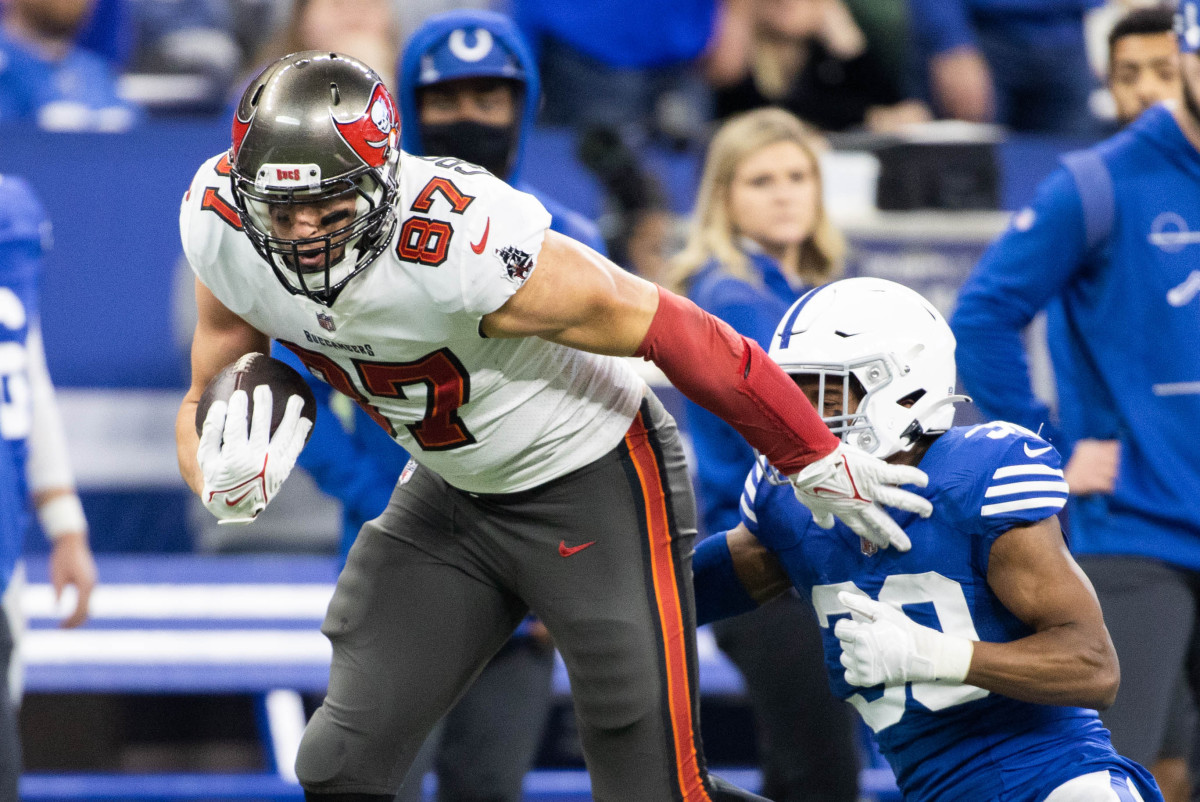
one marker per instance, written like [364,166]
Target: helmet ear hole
[257,94]
[334,94]
[911,399]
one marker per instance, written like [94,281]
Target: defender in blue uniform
[978,656]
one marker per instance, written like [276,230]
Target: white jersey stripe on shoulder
[751,485]
[748,511]
[1027,487]
[1049,502]
[1029,468]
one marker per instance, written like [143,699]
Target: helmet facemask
[347,250]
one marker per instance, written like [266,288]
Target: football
[247,373]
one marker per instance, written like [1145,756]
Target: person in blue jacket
[976,652]
[47,78]
[1109,244]
[468,90]
[760,238]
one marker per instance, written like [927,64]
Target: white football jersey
[403,339]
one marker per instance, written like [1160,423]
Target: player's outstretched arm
[733,573]
[1070,659]
[220,338]
[577,298]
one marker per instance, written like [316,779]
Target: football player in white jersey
[548,477]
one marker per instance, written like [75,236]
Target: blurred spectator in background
[626,64]
[186,56]
[637,225]
[1108,243]
[1143,61]
[469,88]
[812,58]
[1020,63]
[759,239]
[365,29]
[34,464]
[109,32]
[47,78]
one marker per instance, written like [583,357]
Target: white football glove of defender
[848,483]
[242,473]
[883,646]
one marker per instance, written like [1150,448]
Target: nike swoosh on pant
[566,551]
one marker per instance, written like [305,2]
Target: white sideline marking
[151,646]
[151,602]
[285,719]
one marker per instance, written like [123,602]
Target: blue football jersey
[22,232]
[945,741]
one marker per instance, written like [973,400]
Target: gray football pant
[435,585]
[1150,610]
[487,743]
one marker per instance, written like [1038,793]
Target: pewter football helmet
[312,127]
[889,340]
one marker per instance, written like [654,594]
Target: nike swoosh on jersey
[483,242]
[566,551]
[1035,452]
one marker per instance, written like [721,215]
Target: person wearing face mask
[469,81]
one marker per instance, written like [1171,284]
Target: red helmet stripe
[240,127]
[375,130]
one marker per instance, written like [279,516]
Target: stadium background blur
[193,676]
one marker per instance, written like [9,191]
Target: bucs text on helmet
[313,128]
[886,342]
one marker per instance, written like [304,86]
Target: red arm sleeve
[732,377]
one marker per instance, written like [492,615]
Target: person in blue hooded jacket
[1110,243]
[467,89]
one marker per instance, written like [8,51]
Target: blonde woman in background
[759,239]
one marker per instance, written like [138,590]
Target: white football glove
[242,473]
[883,646]
[851,484]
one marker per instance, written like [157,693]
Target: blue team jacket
[723,458]
[1129,316]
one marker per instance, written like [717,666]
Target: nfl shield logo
[326,321]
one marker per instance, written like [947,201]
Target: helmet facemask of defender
[315,170]
[881,343]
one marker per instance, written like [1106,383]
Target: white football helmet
[889,340]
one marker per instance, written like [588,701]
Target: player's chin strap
[922,408]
